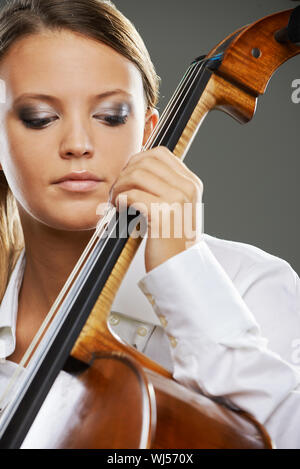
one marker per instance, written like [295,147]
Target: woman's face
[91,119]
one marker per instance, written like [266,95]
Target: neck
[51,256]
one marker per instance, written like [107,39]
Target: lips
[78,176]
[79,181]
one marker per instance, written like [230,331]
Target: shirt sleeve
[217,344]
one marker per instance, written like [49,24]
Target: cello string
[178,93]
[174,100]
[32,368]
[201,63]
[196,64]
[174,116]
[52,311]
[176,97]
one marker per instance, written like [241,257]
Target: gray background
[250,172]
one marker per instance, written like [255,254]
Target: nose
[76,142]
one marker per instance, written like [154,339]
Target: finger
[138,199]
[176,179]
[166,156]
[153,184]
[178,176]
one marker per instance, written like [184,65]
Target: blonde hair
[97,19]
[11,235]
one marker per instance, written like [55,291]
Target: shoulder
[239,259]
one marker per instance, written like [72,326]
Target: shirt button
[114,319]
[163,321]
[173,341]
[142,331]
[151,299]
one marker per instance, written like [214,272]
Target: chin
[82,224]
[71,221]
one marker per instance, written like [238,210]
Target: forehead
[65,63]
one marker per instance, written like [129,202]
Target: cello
[109,395]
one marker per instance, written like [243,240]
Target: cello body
[116,404]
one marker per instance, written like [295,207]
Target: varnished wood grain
[197,422]
[96,336]
[218,95]
[241,67]
[112,405]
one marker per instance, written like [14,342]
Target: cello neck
[179,115]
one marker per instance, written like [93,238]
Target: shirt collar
[9,308]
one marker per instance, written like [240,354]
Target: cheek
[21,163]
[24,181]
[118,147]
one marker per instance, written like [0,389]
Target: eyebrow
[53,99]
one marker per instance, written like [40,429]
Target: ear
[152,118]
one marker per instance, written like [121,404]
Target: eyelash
[112,121]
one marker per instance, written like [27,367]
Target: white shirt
[231,321]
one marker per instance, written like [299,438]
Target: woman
[79,106]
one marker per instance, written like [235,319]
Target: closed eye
[38,123]
[113,119]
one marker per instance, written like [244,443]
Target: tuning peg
[292,32]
